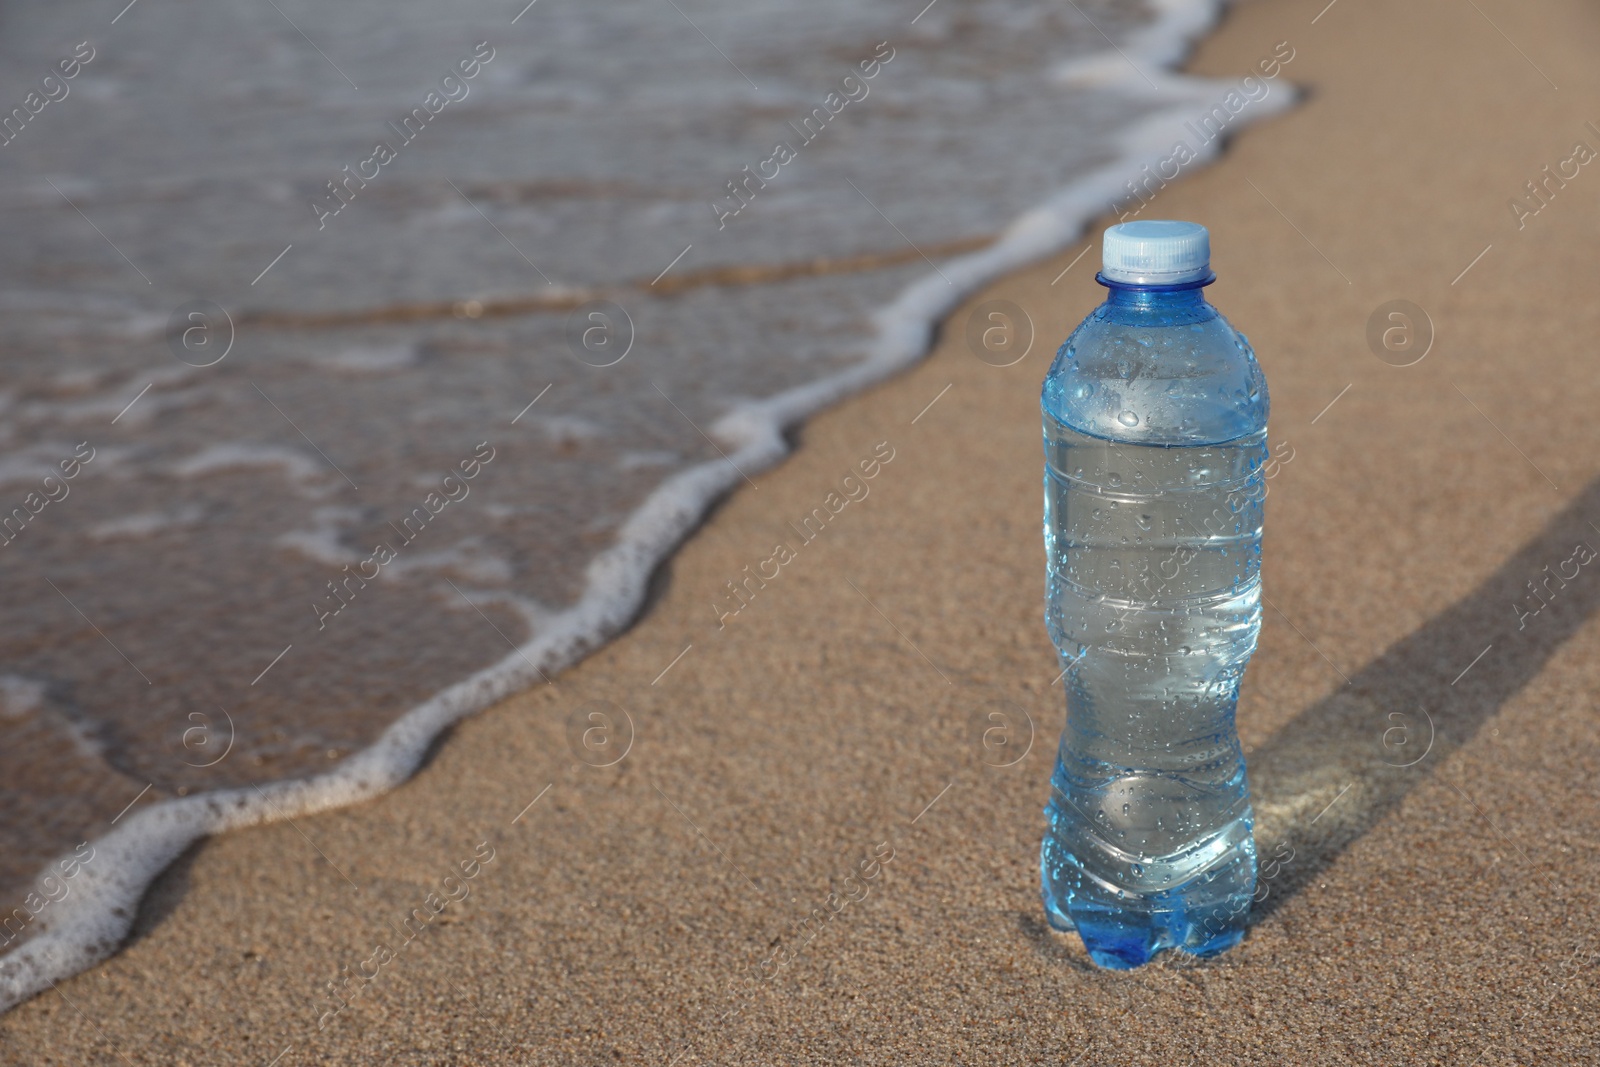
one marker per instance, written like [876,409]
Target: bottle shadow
[1340,766]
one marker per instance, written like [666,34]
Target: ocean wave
[92,920]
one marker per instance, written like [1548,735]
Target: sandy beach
[790,833]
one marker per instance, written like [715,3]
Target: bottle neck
[1154,298]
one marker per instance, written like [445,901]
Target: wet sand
[668,820]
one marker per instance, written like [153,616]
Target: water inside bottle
[1154,602]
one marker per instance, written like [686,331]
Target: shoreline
[842,710]
[617,581]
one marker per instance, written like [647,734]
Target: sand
[829,737]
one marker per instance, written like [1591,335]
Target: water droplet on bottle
[1144,522]
[1128,418]
[1113,480]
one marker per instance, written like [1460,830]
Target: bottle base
[1121,935]
[1120,941]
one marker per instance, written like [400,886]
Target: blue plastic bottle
[1155,425]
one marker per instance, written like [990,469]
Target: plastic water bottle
[1155,425]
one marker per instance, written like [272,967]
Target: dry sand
[1438,913]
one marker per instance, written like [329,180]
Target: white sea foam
[37,462]
[147,523]
[87,926]
[302,471]
[533,614]
[323,541]
[568,429]
[100,408]
[31,466]
[467,558]
[19,695]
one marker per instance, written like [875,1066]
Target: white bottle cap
[1156,252]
